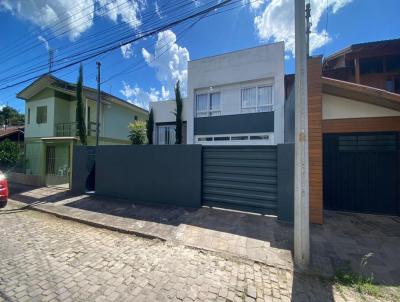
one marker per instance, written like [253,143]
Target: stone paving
[345,239]
[44,258]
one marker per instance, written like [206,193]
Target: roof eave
[362,93]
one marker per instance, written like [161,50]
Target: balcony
[70,129]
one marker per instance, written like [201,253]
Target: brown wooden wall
[371,124]
[315,139]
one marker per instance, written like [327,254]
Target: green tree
[9,153]
[10,116]
[150,127]
[137,132]
[80,119]
[178,114]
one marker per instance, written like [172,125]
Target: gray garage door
[240,177]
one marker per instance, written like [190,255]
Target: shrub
[137,132]
[9,153]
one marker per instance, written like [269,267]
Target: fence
[254,178]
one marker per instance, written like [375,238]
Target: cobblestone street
[44,258]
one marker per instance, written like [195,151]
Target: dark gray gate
[240,177]
[361,172]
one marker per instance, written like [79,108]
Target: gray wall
[286,181]
[289,118]
[238,123]
[82,162]
[163,174]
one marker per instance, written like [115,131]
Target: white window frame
[263,138]
[208,112]
[254,109]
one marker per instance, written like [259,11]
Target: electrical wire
[109,46]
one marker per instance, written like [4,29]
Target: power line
[55,35]
[143,64]
[72,56]
[96,35]
[42,32]
[109,47]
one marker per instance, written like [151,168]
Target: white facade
[336,107]
[241,82]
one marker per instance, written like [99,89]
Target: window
[221,138]
[166,134]
[257,99]
[208,104]
[258,137]
[41,115]
[236,139]
[136,118]
[389,85]
[215,104]
[29,116]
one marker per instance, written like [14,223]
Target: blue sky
[148,69]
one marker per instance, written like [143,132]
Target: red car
[3,190]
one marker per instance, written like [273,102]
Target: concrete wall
[264,63]
[335,107]
[167,174]
[23,179]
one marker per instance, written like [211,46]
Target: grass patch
[364,286]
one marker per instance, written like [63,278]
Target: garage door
[361,172]
[240,177]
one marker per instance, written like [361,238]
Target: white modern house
[236,98]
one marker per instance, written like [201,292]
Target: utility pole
[51,59]
[98,104]
[308,25]
[301,177]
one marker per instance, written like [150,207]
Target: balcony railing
[70,129]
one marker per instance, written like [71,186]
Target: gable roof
[362,93]
[50,81]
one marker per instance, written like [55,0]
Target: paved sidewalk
[344,240]
[48,259]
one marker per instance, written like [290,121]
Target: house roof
[55,83]
[362,93]
[4,132]
[383,47]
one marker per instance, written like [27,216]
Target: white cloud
[76,16]
[254,4]
[124,10]
[170,61]
[139,96]
[45,42]
[127,51]
[276,23]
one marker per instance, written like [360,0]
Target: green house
[51,128]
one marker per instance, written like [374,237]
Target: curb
[87,222]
